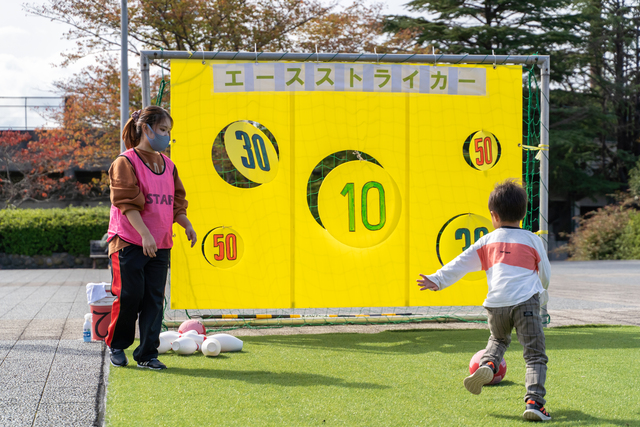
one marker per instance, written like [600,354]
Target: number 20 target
[458,234]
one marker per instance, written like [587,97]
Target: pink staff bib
[159,191]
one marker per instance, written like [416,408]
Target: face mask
[158,142]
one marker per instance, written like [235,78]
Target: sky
[30,49]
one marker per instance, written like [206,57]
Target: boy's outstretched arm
[425,284]
[453,271]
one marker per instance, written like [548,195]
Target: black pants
[138,282]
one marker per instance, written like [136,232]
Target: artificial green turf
[393,378]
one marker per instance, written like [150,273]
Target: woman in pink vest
[147,197]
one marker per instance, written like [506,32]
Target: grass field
[393,378]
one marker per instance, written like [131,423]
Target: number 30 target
[251,152]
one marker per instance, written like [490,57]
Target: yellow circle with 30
[251,152]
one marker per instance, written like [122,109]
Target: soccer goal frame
[542,61]
[539,62]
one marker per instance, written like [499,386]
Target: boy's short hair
[509,200]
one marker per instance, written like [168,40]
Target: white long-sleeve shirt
[515,261]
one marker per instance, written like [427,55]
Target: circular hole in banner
[481,150]
[457,234]
[222,247]
[245,154]
[359,204]
[322,169]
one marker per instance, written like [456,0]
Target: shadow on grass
[574,417]
[289,379]
[448,341]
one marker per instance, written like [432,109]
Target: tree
[356,28]
[507,27]
[194,25]
[36,169]
[610,66]
[43,168]
[91,114]
[91,121]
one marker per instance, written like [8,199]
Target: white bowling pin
[164,346]
[198,338]
[170,335]
[184,345]
[228,342]
[211,347]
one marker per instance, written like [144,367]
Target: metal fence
[26,112]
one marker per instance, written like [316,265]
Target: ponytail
[130,134]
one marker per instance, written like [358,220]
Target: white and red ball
[192,325]
[474,364]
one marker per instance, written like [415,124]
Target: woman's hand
[191,234]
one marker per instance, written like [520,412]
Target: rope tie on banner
[162,85]
[540,232]
[540,148]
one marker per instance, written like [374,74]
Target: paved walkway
[49,376]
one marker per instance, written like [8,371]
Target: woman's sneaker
[118,358]
[482,376]
[154,364]
[535,412]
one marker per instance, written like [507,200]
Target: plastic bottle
[86,328]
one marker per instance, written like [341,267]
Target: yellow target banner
[336,185]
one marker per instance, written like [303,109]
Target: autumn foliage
[41,166]
[34,169]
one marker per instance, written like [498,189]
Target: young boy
[518,273]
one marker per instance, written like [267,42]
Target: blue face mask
[158,142]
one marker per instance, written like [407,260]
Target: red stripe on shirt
[515,254]
[116,288]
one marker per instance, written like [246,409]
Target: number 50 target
[481,150]
[222,247]
[359,204]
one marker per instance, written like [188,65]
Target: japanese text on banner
[286,77]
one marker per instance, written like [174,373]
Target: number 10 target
[359,204]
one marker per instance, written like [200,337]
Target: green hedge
[611,232]
[43,231]
[629,240]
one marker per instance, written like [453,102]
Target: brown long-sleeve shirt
[126,194]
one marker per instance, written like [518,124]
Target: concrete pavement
[49,376]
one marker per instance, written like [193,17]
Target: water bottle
[86,328]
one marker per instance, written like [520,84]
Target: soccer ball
[475,363]
[192,325]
